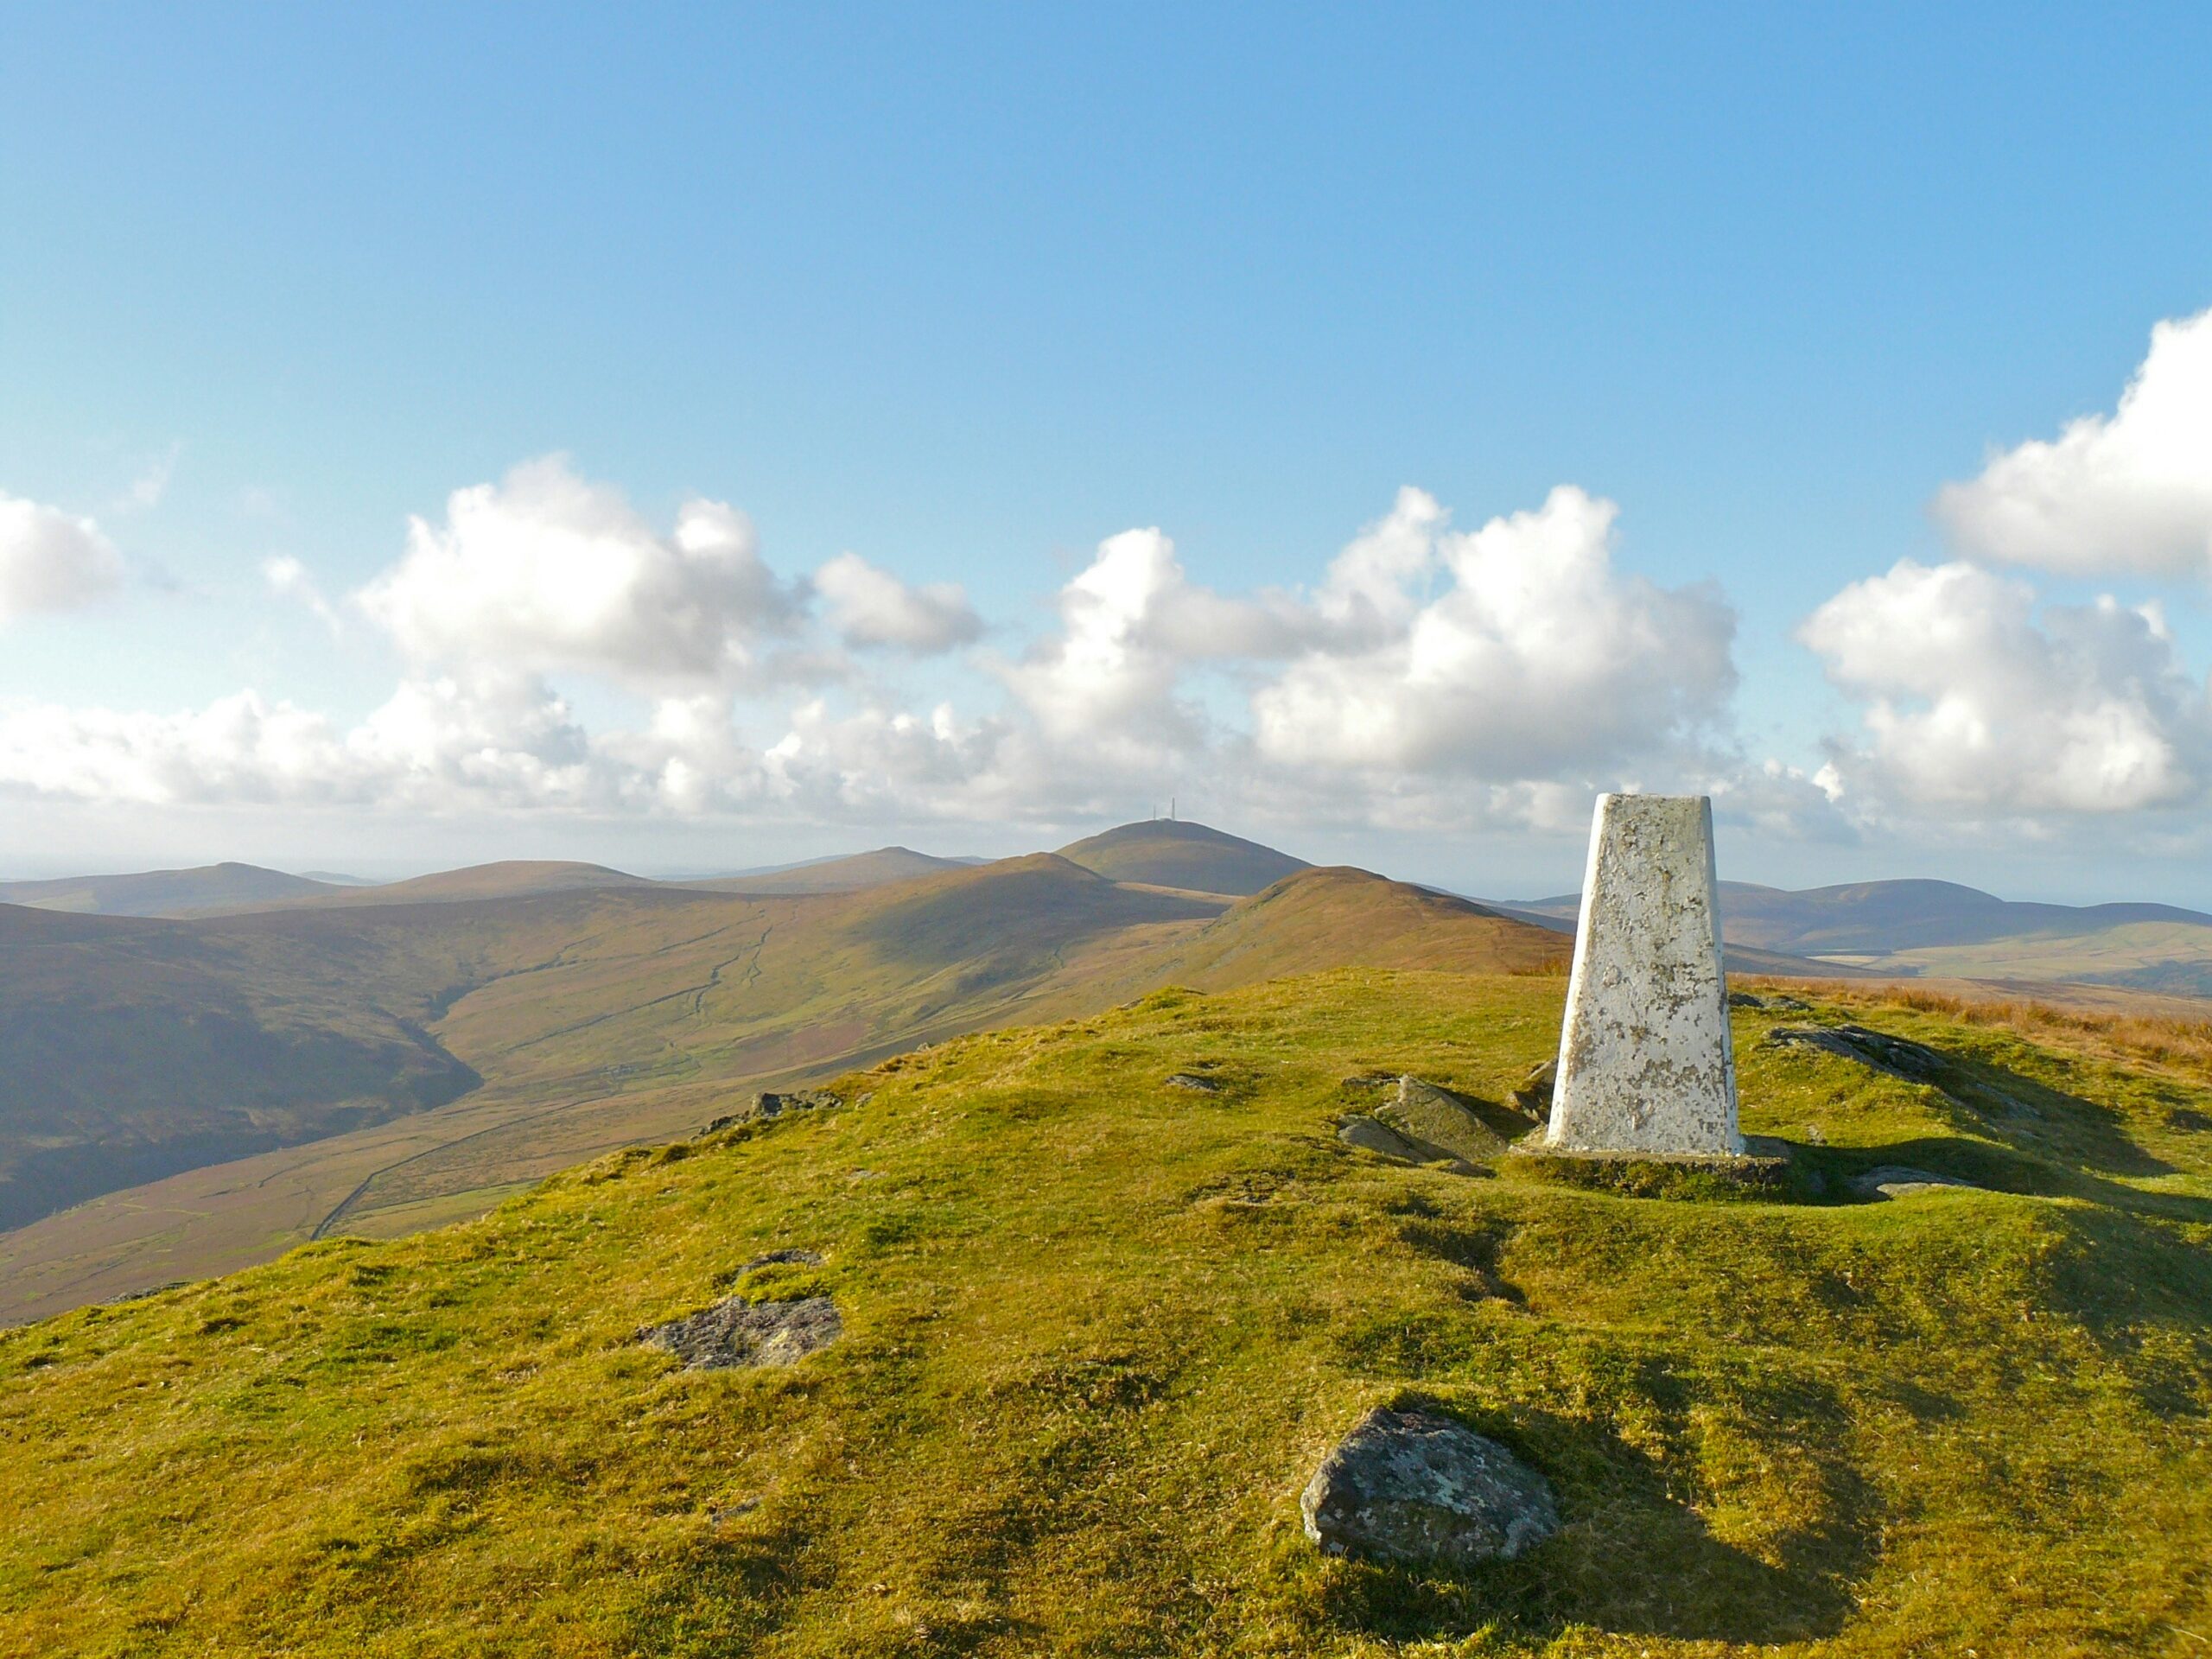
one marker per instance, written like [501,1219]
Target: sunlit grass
[1098,1333]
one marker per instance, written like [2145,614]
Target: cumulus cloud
[545,570]
[1978,705]
[2127,492]
[51,561]
[871,606]
[1537,660]
[1427,678]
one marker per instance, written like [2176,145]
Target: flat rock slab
[1418,1487]
[735,1333]
[1900,1181]
[1372,1135]
[1892,1056]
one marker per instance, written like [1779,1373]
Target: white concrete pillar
[1644,1061]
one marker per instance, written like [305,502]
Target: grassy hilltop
[1099,1328]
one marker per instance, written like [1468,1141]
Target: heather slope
[1098,1331]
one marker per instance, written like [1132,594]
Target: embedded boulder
[1419,1486]
[735,1333]
[1892,1056]
[1898,1182]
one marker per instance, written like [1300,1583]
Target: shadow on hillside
[1984,1098]
[2034,1118]
[1632,1557]
[2003,1169]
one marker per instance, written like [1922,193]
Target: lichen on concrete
[1645,1064]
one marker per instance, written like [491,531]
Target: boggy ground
[1097,1332]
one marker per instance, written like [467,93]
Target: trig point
[1644,1063]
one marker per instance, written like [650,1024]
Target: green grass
[1098,1333]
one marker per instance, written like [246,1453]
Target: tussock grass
[1098,1333]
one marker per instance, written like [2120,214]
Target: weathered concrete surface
[1644,1059]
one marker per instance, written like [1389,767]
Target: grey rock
[764,1105]
[735,1333]
[1892,1056]
[1372,1135]
[1745,999]
[1192,1081]
[1534,1096]
[1901,1181]
[1417,1486]
[1439,1124]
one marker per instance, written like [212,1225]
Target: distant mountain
[1176,852]
[163,892]
[1943,928]
[509,879]
[557,1024]
[838,875]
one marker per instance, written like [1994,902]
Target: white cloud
[1537,660]
[1978,705]
[1428,679]
[871,606]
[545,570]
[51,561]
[290,578]
[2128,491]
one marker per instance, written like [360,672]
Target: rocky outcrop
[1419,1486]
[763,1106]
[1892,1056]
[735,1333]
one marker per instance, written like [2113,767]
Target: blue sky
[966,291]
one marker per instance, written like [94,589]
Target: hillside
[132,1048]
[1097,1331]
[591,1018]
[509,879]
[163,892]
[874,869]
[1168,853]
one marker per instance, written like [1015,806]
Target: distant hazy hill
[835,874]
[1179,854]
[1942,928]
[509,879]
[163,892]
[594,1017]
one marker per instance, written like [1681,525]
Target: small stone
[1534,1096]
[1745,999]
[735,1333]
[1372,1135]
[1417,1486]
[1900,1181]
[1191,1080]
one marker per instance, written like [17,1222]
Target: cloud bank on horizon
[1427,677]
